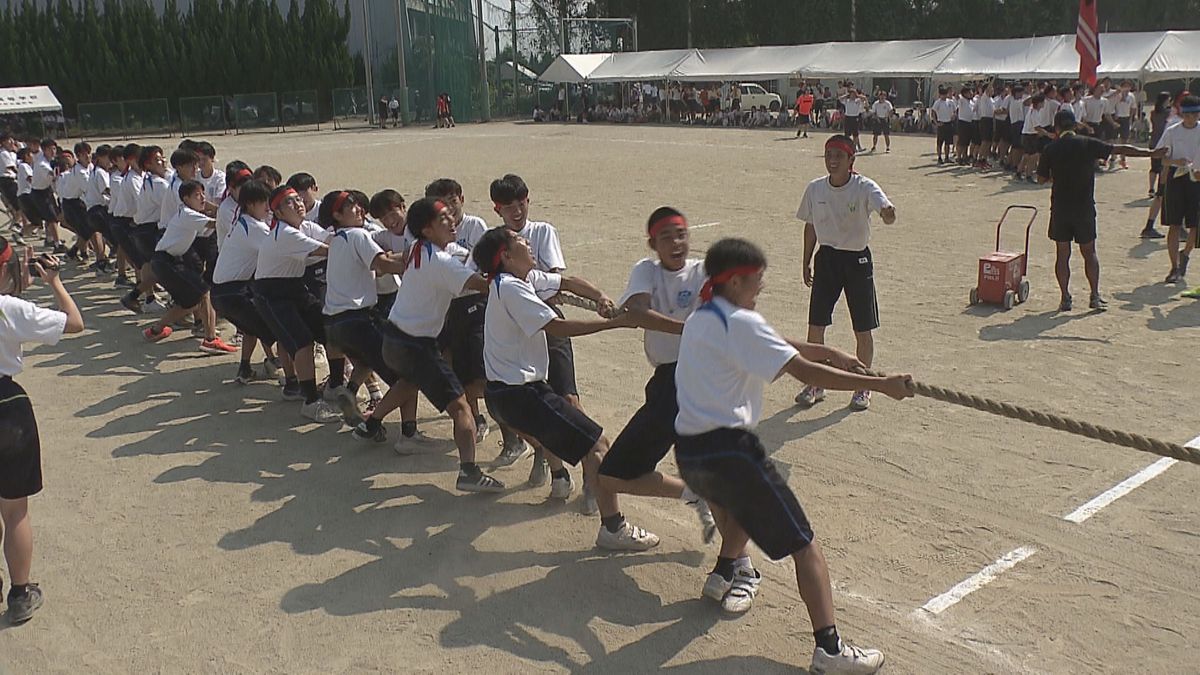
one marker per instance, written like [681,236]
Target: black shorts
[1003,131]
[182,277]
[561,374]
[835,271]
[462,337]
[234,300]
[30,209]
[292,313]
[850,125]
[419,361]
[945,133]
[1031,143]
[650,433]
[881,126]
[1018,135]
[97,220]
[803,119]
[537,411]
[121,229]
[1070,227]
[1181,204]
[358,333]
[204,248]
[1156,165]
[730,469]
[1108,130]
[383,307]
[20,446]
[967,133]
[143,239]
[75,217]
[314,278]
[44,202]
[1123,128]
[987,130]
[8,192]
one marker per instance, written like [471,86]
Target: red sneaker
[154,336]
[217,346]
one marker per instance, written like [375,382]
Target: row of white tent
[1148,57]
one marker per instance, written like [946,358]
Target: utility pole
[366,17]
[689,19]
[513,9]
[853,20]
[401,42]
[635,42]
[486,110]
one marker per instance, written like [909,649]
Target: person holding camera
[20,449]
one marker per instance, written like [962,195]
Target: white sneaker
[629,538]
[861,400]
[810,396]
[708,525]
[415,444]
[539,473]
[321,412]
[338,394]
[715,587]
[850,661]
[271,368]
[742,591]
[561,488]
[513,453]
[588,505]
[482,429]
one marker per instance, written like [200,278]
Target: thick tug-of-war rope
[1153,446]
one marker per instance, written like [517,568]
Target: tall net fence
[444,60]
[101,119]
[299,109]
[256,112]
[351,107]
[202,114]
[148,117]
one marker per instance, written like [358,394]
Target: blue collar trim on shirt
[342,233]
[244,224]
[711,306]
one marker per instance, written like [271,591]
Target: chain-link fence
[299,109]
[202,114]
[101,119]
[147,117]
[255,111]
[351,108]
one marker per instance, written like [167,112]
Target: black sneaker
[60,248]
[291,392]
[1065,305]
[1172,276]
[477,481]
[1151,233]
[21,608]
[132,303]
[1183,263]
[363,433]
[1098,303]
[124,282]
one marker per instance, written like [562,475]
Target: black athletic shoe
[21,608]
[363,433]
[60,248]
[1151,233]
[132,303]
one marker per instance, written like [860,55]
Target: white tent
[1178,57]
[1122,56]
[506,72]
[28,100]
[752,63]
[573,68]
[892,58]
[635,66]
[1016,57]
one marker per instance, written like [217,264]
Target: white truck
[754,96]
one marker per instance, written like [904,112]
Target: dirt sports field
[193,526]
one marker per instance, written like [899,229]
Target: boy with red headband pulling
[727,354]
[836,211]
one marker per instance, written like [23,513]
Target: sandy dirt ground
[193,526]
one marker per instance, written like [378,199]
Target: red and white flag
[1087,41]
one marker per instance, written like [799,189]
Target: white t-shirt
[349,281]
[1093,109]
[985,106]
[1016,108]
[882,109]
[76,182]
[673,293]
[182,230]
[726,356]
[1049,109]
[470,231]
[312,229]
[853,106]
[8,164]
[149,200]
[1000,107]
[966,109]
[547,252]
[841,216]
[514,345]
[227,212]
[282,255]
[238,256]
[385,284]
[43,173]
[943,109]
[97,190]
[1124,104]
[22,321]
[433,278]
[171,203]
[24,178]
[116,193]
[214,185]
[131,188]
[1033,120]
[1181,143]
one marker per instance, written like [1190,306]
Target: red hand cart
[1002,279]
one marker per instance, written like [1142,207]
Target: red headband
[340,200]
[278,199]
[240,177]
[706,291]
[667,221]
[841,144]
[496,260]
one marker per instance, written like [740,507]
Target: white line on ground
[977,581]
[701,227]
[1125,487]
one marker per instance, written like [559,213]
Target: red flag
[1087,41]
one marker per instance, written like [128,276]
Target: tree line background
[124,49]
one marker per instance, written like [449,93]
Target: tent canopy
[1122,56]
[634,66]
[1177,57]
[573,68]
[892,58]
[1016,57]
[506,71]
[27,100]
[745,62]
